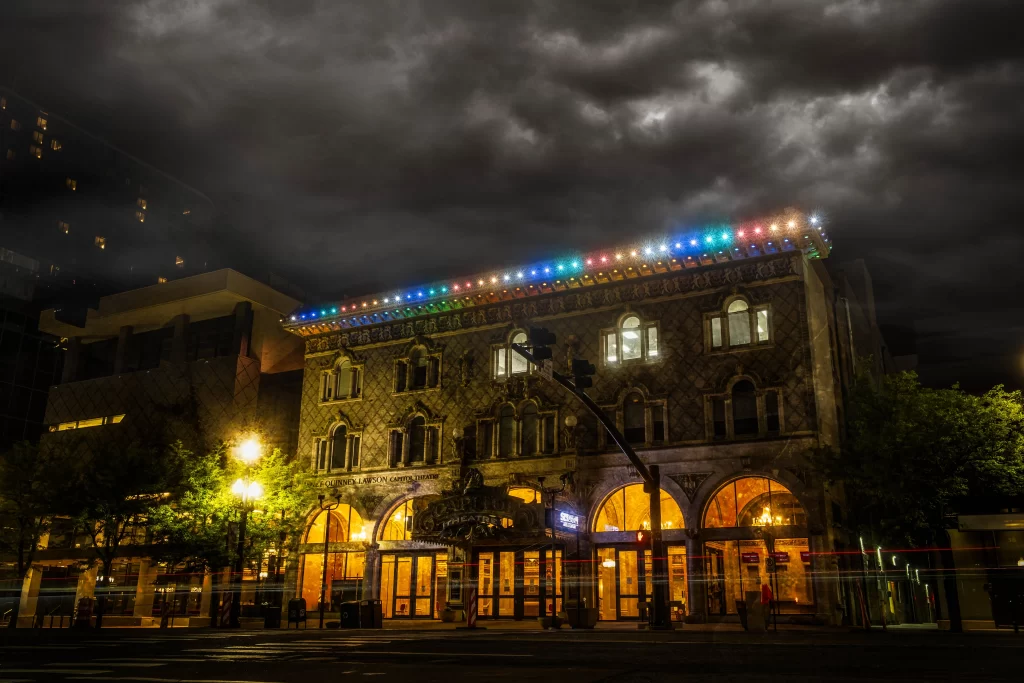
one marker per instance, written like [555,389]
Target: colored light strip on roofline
[789,231]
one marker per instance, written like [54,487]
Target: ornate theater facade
[439,448]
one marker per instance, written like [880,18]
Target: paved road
[492,656]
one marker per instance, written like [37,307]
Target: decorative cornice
[505,312]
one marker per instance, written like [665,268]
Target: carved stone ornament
[370,503]
[690,482]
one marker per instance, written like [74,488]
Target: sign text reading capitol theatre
[377,479]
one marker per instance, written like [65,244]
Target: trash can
[271,616]
[349,615]
[371,614]
[297,611]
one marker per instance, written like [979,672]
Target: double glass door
[412,586]
[623,582]
[509,582]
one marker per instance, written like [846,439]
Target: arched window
[339,444]
[346,525]
[507,362]
[754,502]
[398,526]
[417,439]
[633,340]
[506,431]
[744,409]
[530,429]
[629,509]
[342,382]
[633,422]
[741,325]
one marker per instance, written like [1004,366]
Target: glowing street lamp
[247,491]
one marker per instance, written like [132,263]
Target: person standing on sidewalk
[766,602]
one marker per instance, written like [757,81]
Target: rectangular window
[400,376]
[549,434]
[338,453]
[762,325]
[91,422]
[326,386]
[71,183]
[15,125]
[161,280]
[610,414]
[652,341]
[37,152]
[611,347]
[3,103]
[716,333]
[40,122]
[141,203]
[321,454]
[485,438]
[179,262]
[186,212]
[63,227]
[658,423]
[140,216]
[100,242]
[771,410]
[396,447]
[353,451]
[739,328]
[55,145]
[37,137]
[469,443]
[718,417]
[499,362]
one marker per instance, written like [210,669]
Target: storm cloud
[360,146]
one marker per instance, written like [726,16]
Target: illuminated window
[55,145]
[342,382]
[419,371]
[739,325]
[88,422]
[505,362]
[141,202]
[178,261]
[3,103]
[40,122]
[37,137]
[37,152]
[632,341]
[346,525]
[754,502]
[629,509]
[161,280]
[399,524]
[525,494]
[141,215]
[64,226]
[186,212]
[15,125]
[71,183]
[100,242]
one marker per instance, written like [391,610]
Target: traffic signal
[641,536]
[582,370]
[541,340]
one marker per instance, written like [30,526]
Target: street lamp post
[328,508]
[247,491]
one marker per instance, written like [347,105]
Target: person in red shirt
[766,602]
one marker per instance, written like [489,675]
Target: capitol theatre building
[719,356]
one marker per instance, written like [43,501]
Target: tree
[29,482]
[114,487]
[912,455]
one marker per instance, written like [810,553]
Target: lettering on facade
[489,315]
[376,479]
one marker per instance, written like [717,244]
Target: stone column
[29,595]
[242,332]
[406,447]
[696,585]
[124,338]
[179,343]
[144,591]
[71,360]
[825,579]
[207,596]
[371,573]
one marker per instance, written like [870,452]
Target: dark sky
[359,146]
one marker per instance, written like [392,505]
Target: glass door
[403,587]
[531,583]
[440,584]
[506,585]
[387,586]
[485,584]
[629,584]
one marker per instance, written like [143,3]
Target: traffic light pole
[661,619]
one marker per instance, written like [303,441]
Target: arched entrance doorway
[623,566]
[345,566]
[748,521]
[413,578]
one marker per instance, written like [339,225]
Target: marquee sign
[473,512]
